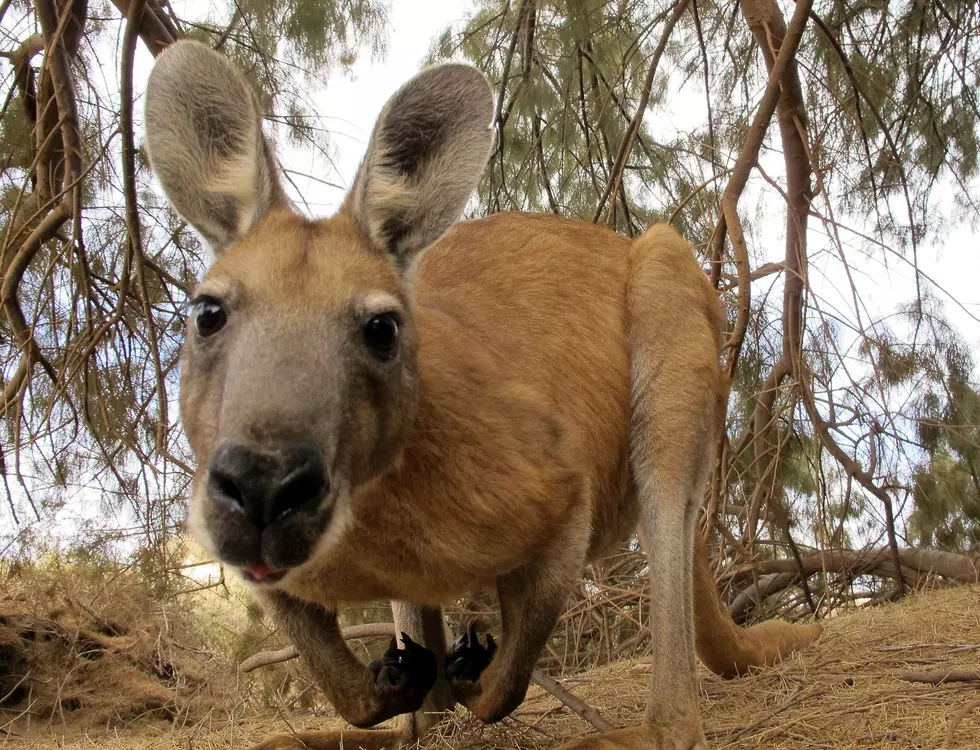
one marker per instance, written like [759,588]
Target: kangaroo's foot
[468,658]
[681,736]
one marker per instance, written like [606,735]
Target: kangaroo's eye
[381,335]
[209,316]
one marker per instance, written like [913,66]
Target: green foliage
[936,377]
[947,504]
[908,77]
[573,77]
[893,107]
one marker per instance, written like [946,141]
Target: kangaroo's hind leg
[675,386]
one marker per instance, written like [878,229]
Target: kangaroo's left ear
[426,154]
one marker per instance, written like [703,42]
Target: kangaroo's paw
[404,676]
[468,658]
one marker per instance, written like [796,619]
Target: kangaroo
[388,404]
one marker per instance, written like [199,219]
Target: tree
[845,133]
[96,267]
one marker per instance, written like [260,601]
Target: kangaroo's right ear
[205,143]
[426,154]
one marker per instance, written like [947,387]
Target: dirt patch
[851,689]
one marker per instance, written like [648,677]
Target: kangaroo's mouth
[262,573]
[265,556]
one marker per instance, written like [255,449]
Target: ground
[859,686]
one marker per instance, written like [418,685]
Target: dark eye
[209,316]
[381,335]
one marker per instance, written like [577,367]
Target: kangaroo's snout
[268,505]
[267,484]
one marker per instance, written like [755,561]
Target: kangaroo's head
[298,371]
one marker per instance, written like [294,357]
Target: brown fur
[556,386]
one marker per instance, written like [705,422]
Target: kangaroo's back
[547,297]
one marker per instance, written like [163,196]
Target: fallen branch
[954,722]
[566,698]
[777,575]
[959,568]
[941,676]
[267,658]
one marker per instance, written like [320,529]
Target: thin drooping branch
[632,131]
[44,232]
[136,12]
[542,165]
[500,112]
[743,168]
[851,468]
[861,95]
[235,18]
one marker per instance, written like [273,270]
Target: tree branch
[583,709]
[773,576]
[267,658]
[152,29]
[743,168]
[629,138]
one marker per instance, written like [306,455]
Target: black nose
[268,482]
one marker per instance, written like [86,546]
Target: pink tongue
[259,571]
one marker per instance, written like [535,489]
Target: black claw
[468,657]
[404,676]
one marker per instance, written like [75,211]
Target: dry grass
[846,691]
[81,649]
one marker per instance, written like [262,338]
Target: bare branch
[633,129]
